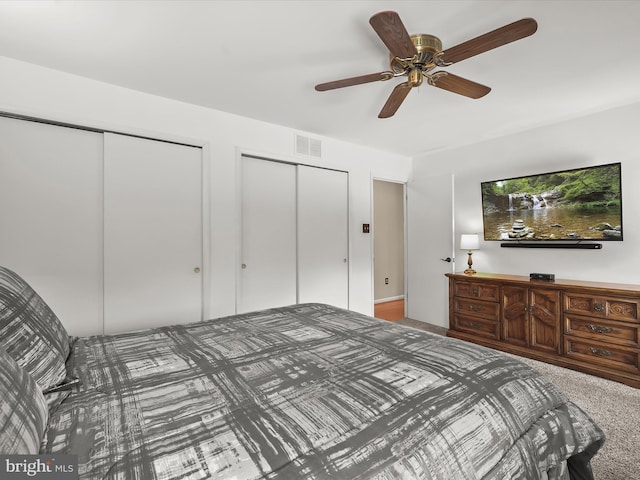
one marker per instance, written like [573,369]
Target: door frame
[404,241]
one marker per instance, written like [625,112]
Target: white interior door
[430,244]
[323,243]
[267,275]
[51,217]
[152,233]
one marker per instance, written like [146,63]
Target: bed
[307,391]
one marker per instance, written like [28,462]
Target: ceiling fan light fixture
[415,77]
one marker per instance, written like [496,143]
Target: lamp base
[469,270]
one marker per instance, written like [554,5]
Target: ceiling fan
[416,56]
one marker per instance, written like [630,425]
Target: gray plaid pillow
[23,410]
[30,332]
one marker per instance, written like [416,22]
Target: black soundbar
[549,277]
[583,246]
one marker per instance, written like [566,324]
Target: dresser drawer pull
[601,352]
[598,307]
[599,328]
[475,291]
[474,324]
[476,308]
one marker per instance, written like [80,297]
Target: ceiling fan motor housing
[427,46]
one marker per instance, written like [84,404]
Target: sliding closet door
[152,233]
[51,217]
[268,238]
[323,243]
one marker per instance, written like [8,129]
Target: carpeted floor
[613,406]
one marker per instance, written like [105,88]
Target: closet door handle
[196,270]
[244,265]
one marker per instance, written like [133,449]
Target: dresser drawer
[483,291]
[608,355]
[477,326]
[614,308]
[601,330]
[487,310]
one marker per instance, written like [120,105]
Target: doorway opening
[389,226]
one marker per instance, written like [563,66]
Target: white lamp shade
[469,242]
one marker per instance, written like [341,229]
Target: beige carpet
[613,406]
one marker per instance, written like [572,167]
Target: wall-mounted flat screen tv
[569,205]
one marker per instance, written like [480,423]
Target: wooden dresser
[593,327]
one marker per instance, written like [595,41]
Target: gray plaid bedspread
[311,392]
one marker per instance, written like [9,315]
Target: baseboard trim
[389,299]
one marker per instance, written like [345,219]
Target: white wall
[603,137]
[36,91]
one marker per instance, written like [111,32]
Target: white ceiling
[261,59]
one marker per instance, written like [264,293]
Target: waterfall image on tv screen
[578,204]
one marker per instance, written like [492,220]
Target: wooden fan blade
[392,32]
[461,86]
[395,100]
[348,82]
[501,36]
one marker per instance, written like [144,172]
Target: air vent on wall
[311,147]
